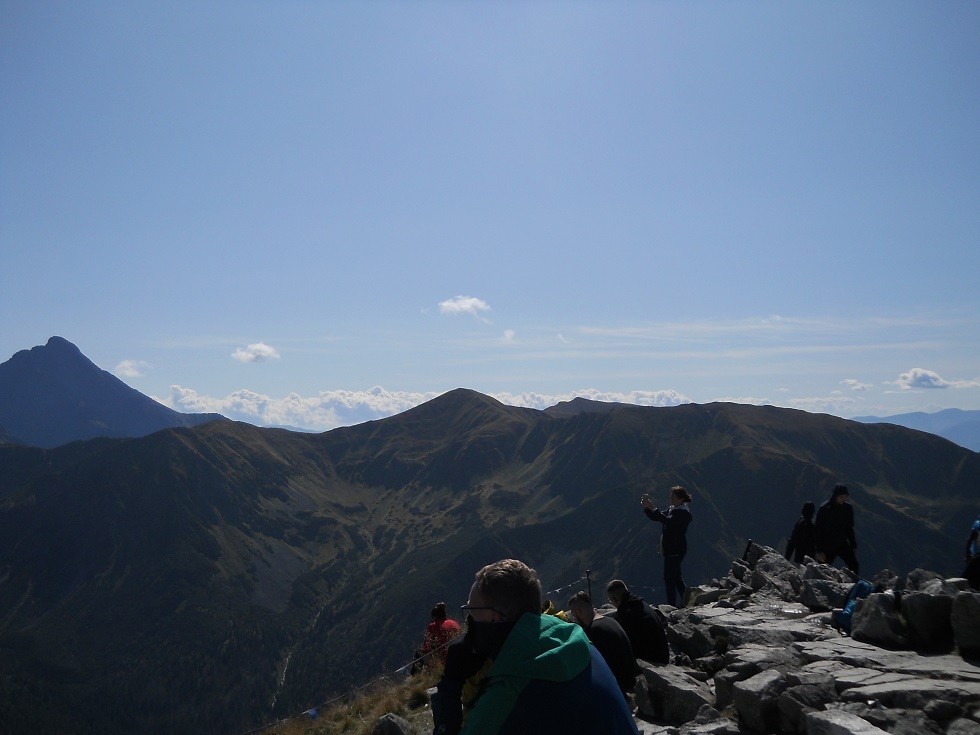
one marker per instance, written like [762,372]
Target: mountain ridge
[187,579]
[52,394]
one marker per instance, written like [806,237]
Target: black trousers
[972,572]
[846,553]
[673,581]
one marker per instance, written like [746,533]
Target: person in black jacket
[834,530]
[673,542]
[801,542]
[641,622]
[610,640]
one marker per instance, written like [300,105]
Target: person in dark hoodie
[609,638]
[801,542]
[673,541]
[641,622]
[542,674]
[834,530]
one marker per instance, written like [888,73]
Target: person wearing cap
[834,530]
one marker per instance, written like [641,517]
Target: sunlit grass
[357,716]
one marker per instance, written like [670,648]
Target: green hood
[539,647]
[543,647]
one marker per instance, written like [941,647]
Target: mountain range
[53,394]
[962,427]
[214,577]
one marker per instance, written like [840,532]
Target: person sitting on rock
[437,636]
[801,542]
[642,623]
[609,637]
[545,676]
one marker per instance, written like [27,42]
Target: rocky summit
[757,652]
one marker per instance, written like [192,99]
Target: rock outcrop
[756,653]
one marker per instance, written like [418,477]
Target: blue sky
[312,213]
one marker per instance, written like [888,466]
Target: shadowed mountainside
[170,583]
[51,395]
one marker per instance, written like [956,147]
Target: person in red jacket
[437,636]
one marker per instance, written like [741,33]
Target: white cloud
[464,305]
[331,409]
[920,379]
[837,403]
[748,400]
[259,352]
[857,385]
[324,411]
[509,336]
[636,397]
[130,369]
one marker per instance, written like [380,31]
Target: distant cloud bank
[331,409]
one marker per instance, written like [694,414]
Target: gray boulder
[959,584]
[702,595]
[963,726]
[836,722]
[824,595]
[755,700]
[928,617]
[739,569]
[777,565]
[876,620]
[965,620]
[745,662]
[690,639]
[392,724]
[921,579]
[793,704]
[756,552]
[828,573]
[709,722]
[671,694]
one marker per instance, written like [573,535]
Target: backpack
[841,619]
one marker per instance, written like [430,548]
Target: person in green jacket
[545,676]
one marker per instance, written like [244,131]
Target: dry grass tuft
[358,716]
